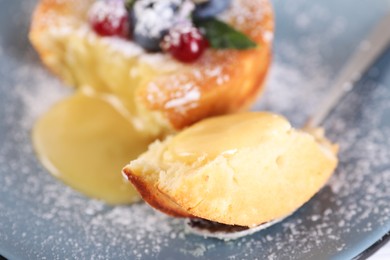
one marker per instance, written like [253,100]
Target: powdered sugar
[42,218]
[244,13]
[113,11]
[151,22]
[191,95]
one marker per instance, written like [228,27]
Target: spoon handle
[363,57]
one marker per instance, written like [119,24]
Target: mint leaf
[222,36]
[129,4]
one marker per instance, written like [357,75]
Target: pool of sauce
[85,141]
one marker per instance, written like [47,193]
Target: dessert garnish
[184,42]
[109,18]
[222,36]
[152,19]
[209,8]
[181,28]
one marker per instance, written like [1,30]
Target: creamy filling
[204,140]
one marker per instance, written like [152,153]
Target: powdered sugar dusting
[245,14]
[191,96]
[41,218]
[152,21]
[113,11]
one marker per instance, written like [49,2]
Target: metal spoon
[364,56]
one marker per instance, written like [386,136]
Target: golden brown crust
[235,95]
[223,81]
[154,197]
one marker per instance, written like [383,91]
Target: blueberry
[210,8]
[151,20]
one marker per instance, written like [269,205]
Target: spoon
[364,56]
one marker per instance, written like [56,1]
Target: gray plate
[42,218]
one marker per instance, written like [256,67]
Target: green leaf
[222,36]
[129,4]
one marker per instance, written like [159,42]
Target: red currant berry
[109,18]
[185,43]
